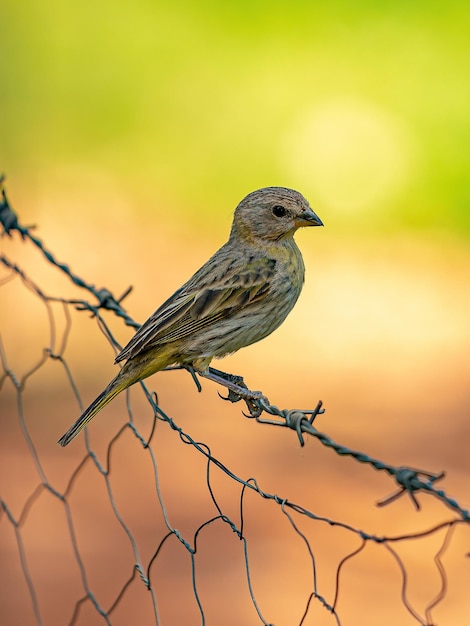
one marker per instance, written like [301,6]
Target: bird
[238,297]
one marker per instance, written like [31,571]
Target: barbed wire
[408,480]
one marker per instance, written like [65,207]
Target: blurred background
[130,132]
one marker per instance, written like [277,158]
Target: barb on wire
[106,300]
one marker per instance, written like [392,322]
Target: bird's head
[272,213]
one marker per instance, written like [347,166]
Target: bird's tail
[133,371]
[117,385]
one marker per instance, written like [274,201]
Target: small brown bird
[243,293]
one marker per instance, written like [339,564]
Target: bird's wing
[193,308]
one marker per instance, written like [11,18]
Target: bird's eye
[279,211]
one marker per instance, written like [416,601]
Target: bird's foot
[237,390]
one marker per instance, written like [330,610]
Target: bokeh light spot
[351,154]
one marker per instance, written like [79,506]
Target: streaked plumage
[239,296]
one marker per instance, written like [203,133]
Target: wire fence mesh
[151,526]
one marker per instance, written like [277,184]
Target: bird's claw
[254,409]
[251,399]
[232,396]
[254,401]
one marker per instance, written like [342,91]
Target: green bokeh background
[199,102]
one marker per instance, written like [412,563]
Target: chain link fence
[148,525]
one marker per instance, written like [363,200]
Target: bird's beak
[308,218]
